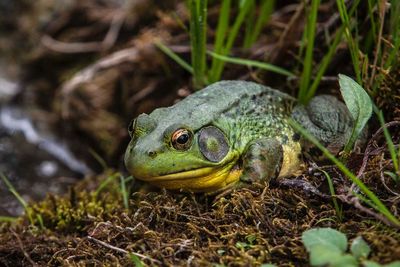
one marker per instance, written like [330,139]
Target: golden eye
[181,139]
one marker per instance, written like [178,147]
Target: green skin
[237,129]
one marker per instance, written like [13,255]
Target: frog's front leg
[262,160]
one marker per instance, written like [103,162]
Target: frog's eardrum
[213,144]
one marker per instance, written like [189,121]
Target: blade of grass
[353,45]
[7,219]
[104,183]
[389,141]
[266,9]
[338,210]
[252,63]
[379,206]
[395,33]
[174,56]
[198,23]
[249,24]
[20,199]
[308,58]
[373,32]
[99,159]
[215,73]
[124,191]
[222,29]
[328,57]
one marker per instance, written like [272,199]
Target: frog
[231,133]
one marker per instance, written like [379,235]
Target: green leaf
[394,176]
[242,245]
[393,264]
[135,260]
[345,260]
[371,264]
[268,265]
[359,104]
[359,248]
[323,254]
[327,237]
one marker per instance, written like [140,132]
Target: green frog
[230,133]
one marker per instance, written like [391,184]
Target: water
[35,161]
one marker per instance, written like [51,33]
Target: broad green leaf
[359,105]
[323,254]
[345,260]
[371,264]
[327,237]
[393,264]
[359,248]
[268,265]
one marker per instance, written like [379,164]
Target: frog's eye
[181,139]
[131,127]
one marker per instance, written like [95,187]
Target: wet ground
[35,161]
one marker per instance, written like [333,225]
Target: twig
[143,93]
[21,246]
[283,42]
[104,244]
[383,178]
[356,203]
[71,48]
[367,151]
[304,185]
[87,74]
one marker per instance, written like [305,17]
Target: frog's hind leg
[262,160]
[327,119]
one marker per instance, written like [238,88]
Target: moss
[249,226]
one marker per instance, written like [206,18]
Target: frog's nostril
[152,154]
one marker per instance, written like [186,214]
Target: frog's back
[230,98]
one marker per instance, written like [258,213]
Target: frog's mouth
[206,179]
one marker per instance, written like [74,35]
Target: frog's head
[173,153]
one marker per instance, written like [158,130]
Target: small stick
[23,250]
[104,244]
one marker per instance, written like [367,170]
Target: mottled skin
[230,133]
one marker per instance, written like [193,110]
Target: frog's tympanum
[231,132]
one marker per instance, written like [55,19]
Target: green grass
[225,38]
[123,188]
[351,41]
[394,154]
[175,57]
[395,35]
[226,46]
[198,27]
[308,38]
[307,89]
[7,219]
[23,203]
[256,21]
[338,209]
[252,63]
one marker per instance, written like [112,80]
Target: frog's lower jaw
[207,179]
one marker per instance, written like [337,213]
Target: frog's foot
[262,160]
[327,119]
